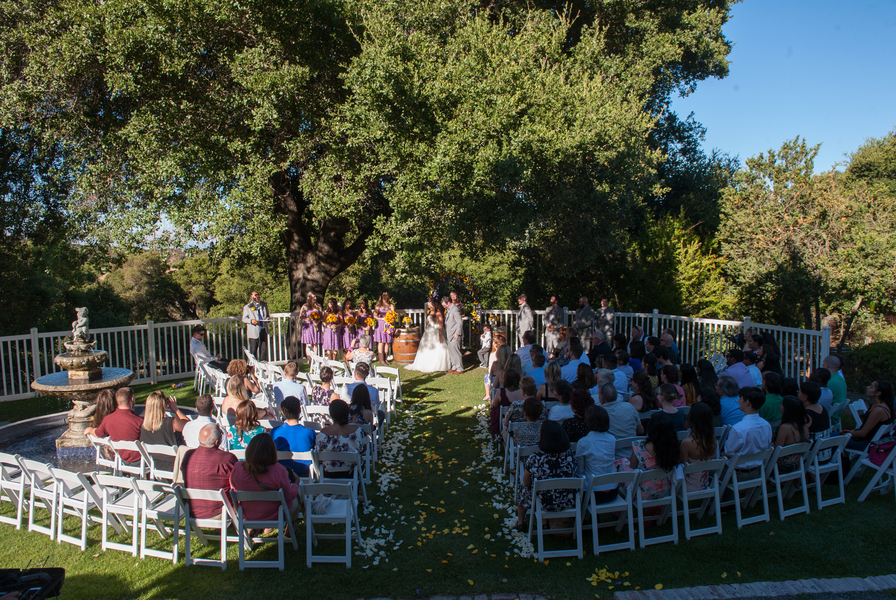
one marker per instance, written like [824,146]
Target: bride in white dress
[432,354]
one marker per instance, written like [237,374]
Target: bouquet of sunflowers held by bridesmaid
[350,321]
[332,320]
[369,322]
[314,315]
[391,319]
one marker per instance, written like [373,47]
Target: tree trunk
[846,329]
[311,265]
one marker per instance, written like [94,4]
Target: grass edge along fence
[161,351]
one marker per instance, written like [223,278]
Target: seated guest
[659,450]
[363,353]
[622,360]
[160,429]
[515,413]
[624,419]
[528,433]
[690,383]
[247,426]
[710,397]
[599,347]
[662,357]
[575,426]
[700,445]
[737,369]
[667,396]
[729,397]
[205,405]
[651,344]
[546,392]
[293,437]
[750,360]
[880,414]
[536,368]
[643,398]
[620,377]
[360,409]
[239,367]
[320,394]
[789,387]
[288,386]
[667,340]
[340,437]
[105,404]
[794,429]
[752,433]
[261,472]
[822,377]
[596,453]
[362,371]
[651,368]
[554,459]
[123,425]
[584,378]
[525,351]
[771,385]
[835,382]
[207,467]
[636,350]
[770,361]
[236,395]
[507,394]
[201,354]
[669,374]
[707,374]
[563,410]
[575,354]
[605,376]
[620,342]
[819,420]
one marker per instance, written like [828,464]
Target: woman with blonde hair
[311,333]
[552,374]
[240,367]
[495,377]
[383,334]
[158,428]
[236,393]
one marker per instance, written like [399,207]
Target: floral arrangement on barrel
[448,278]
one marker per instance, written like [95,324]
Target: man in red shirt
[207,468]
[123,425]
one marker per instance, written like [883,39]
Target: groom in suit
[525,319]
[454,330]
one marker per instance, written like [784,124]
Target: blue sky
[823,70]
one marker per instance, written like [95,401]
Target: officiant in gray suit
[454,330]
[584,322]
[256,317]
[525,319]
[553,320]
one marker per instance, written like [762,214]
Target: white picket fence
[161,351]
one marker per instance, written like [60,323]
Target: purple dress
[332,338]
[311,332]
[349,335]
[381,335]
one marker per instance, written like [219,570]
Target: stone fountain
[81,380]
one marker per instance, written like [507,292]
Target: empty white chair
[282,524]
[396,383]
[316,414]
[835,415]
[329,503]
[622,505]
[158,505]
[797,476]
[198,526]
[750,481]
[668,506]
[121,505]
[572,485]
[42,494]
[709,496]
[821,470]
[77,497]
[13,487]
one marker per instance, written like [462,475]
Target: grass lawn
[439,517]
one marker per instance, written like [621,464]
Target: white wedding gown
[432,355]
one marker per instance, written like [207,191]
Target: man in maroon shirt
[122,425]
[207,468]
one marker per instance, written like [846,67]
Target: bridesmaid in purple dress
[332,329]
[311,335]
[349,332]
[363,314]
[383,336]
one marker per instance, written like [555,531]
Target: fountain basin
[61,386]
[81,364]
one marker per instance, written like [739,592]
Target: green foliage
[870,363]
[874,164]
[235,281]
[143,281]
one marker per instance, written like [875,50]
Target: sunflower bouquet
[314,315]
[406,322]
[350,321]
[332,319]
[369,322]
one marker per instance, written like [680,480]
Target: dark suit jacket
[601,349]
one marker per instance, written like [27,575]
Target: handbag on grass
[879,451]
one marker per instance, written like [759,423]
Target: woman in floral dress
[384,333]
[341,436]
[660,450]
[332,329]
[311,334]
[554,459]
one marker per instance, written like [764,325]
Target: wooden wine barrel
[405,345]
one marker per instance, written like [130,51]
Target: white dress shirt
[751,435]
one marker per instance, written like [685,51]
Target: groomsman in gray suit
[525,319]
[256,317]
[454,329]
[606,320]
[553,320]
[584,323]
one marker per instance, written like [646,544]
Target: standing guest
[256,317]
[823,377]
[667,397]
[729,398]
[771,385]
[707,374]
[288,386]
[292,436]
[836,384]
[710,397]
[525,320]
[207,467]
[205,405]
[794,429]
[752,433]
[525,350]
[349,327]
[690,383]
[311,315]
[584,322]
[553,320]
[122,425]
[341,436]
[669,374]
[158,428]
[699,446]
[105,404]
[808,394]
[247,426]
[554,459]
[750,360]
[320,394]
[624,419]
[737,369]
[643,397]
[384,333]
[575,426]
[599,347]
[454,332]
[528,433]
[261,472]
[606,318]
[201,354]
[485,345]
[659,450]
[596,453]
[332,329]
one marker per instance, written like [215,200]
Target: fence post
[825,343]
[152,351]
[35,355]
[655,323]
[746,324]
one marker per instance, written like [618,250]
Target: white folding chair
[315,362]
[13,487]
[197,526]
[835,416]
[77,497]
[396,384]
[573,485]
[668,506]
[138,468]
[339,385]
[622,505]
[721,437]
[121,507]
[316,414]
[857,409]
[42,494]
[877,483]
[334,506]
[821,469]
[283,523]
[624,446]
[795,477]
[369,450]
[200,377]
[709,496]
[105,454]
[522,453]
[154,455]
[750,481]
[509,447]
[158,505]
[239,454]
[339,369]
[250,358]
[354,459]
[858,456]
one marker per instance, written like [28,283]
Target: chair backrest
[151,452]
[858,408]
[684,409]
[822,447]
[71,484]
[654,474]
[330,487]
[626,443]
[39,475]
[314,425]
[152,493]
[105,454]
[558,483]
[10,469]
[800,448]
[239,454]
[683,434]
[759,457]
[299,456]
[185,495]
[130,446]
[624,478]
[112,485]
[239,498]
[714,467]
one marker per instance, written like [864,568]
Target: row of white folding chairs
[108,454]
